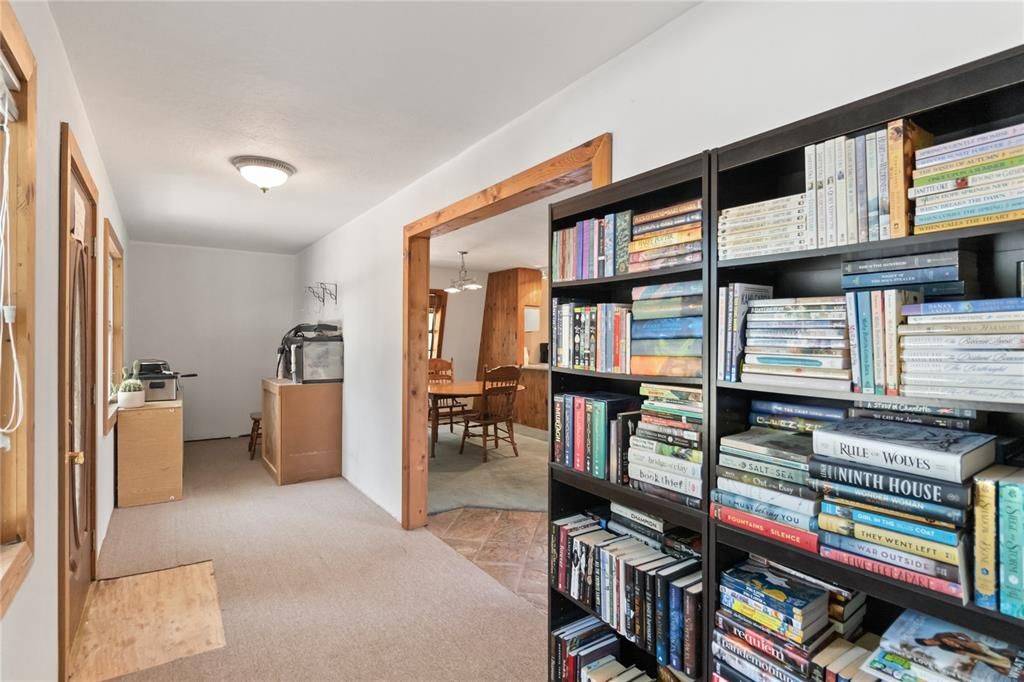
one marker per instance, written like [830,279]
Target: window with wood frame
[435,322]
[17,458]
[113,322]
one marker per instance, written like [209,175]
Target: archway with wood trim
[589,162]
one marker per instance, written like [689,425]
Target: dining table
[455,389]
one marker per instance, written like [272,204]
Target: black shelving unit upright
[976,97]
[570,491]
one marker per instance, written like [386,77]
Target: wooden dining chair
[441,371]
[494,408]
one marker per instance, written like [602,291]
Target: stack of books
[592,248]
[800,342]
[971,350]
[761,486]
[935,276]
[733,303]
[898,499]
[872,321]
[921,647]
[580,647]
[968,182]
[648,593]
[666,238]
[667,329]
[963,419]
[999,539]
[792,416]
[856,187]
[749,632]
[664,456]
[582,432]
[766,227]
[593,337]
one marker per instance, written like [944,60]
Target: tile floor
[509,545]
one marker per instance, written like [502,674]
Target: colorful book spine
[997,161]
[672,290]
[746,464]
[691,487]
[995,207]
[675,626]
[882,156]
[668,347]
[853,335]
[1011,547]
[900,541]
[991,305]
[878,341]
[687,219]
[920,508]
[777,421]
[654,365]
[885,481]
[797,410]
[769,511]
[888,555]
[986,536]
[623,226]
[840,189]
[872,170]
[679,237]
[978,183]
[851,191]
[860,152]
[939,585]
[865,342]
[923,156]
[901,277]
[819,194]
[765,527]
[918,530]
[831,231]
[668,211]
[776,648]
[669,328]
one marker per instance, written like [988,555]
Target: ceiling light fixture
[464,282]
[262,171]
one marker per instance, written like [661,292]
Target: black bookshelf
[976,97]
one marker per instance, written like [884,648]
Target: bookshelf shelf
[974,98]
[636,654]
[867,397]
[691,519]
[991,623]
[678,381]
[653,275]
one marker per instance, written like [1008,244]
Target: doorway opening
[590,163]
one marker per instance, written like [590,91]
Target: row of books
[935,276]
[968,182]
[667,329]
[776,623]
[620,243]
[592,337]
[637,576]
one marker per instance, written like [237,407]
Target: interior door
[77,389]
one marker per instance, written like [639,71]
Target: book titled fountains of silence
[641,580]
[651,443]
[624,242]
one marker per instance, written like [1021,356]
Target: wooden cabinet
[301,430]
[532,402]
[150,453]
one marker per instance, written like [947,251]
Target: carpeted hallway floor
[318,583]
[502,482]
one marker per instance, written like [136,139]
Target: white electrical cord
[7,309]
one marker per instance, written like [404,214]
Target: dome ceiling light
[262,171]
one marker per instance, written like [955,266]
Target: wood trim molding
[112,302]
[589,162]
[19,484]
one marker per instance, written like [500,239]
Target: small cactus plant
[131,392]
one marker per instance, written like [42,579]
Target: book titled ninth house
[932,452]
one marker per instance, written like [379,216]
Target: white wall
[718,73]
[29,628]
[217,312]
[464,317]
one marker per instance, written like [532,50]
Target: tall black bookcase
[973,98]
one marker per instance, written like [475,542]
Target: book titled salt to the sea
[928,451]
[950,650]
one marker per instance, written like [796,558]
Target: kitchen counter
[537,366]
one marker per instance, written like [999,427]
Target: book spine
[762,642]
[569,431]
[680,237]
[888,555]
[671,465]
[1011,548]
[885,481]
[986,543]
[840,190]
[853,334]
[881,536]
[753,611]
[796,504]
[558,451]
[723,314]
[978,182]
[600,438]
[998,161]
[776,421]
[668,211]
[768,511]
[692,487]
[819,193]
[850,177]
[675,627]
[865,343]
[810,188]
[882,155]
[895,572]
[693,614]
[909,262]
[579,451]
[878,341]
[892,319]
[943,203]
[928,510]
[831,212]
[795,410]
[956,307]
[780,472]
[623,226]
[995,207]
[760,665]
[900,154]
[686,219]
[871,142]
[860,153]
[732,331]
[924,155]
[900,277]
[588,436]
[971,160]
[917,530]
[775,484]
[764,527]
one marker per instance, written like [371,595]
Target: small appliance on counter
[311,354]
[161,383]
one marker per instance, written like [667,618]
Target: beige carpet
[318,583]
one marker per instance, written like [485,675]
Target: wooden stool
[255,433]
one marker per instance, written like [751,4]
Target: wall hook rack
[322,291]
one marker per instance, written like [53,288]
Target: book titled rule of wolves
[952,650]
[928,451]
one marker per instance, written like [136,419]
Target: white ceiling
[515,239]
[362,98]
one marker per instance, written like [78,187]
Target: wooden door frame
[72,164]
[589,162]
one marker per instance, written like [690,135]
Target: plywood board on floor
[140,621]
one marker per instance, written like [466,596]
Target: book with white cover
[928,451]
[810,187]
[840,153]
